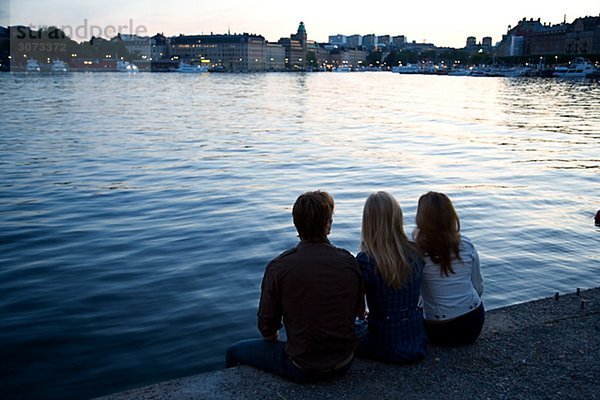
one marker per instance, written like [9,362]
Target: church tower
[301,34]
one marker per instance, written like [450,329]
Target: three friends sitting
[419,291]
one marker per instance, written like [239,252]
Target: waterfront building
[339,40]
[513,46]
[294,54]
[138,47]
[486,43]
[352,58]
[318,55]
[369,41]
[295,49]
[583,36]
[4,49]
[354,41]
[471,42]
[419,46]
[275,57]
[300,34]
[383,40]
[399,41]
[532,38]
[314,57]
[517,40]
[4,37]
[228,52]
[160,47]
[549,42]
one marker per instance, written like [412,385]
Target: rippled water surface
[138,211]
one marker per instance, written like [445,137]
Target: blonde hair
[383,238]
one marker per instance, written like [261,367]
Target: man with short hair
[315,290]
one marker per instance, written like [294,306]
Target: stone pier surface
[544,349]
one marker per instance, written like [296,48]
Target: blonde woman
[391,268]
[452,284]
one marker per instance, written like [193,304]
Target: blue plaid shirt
[395,322]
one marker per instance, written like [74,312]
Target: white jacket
[446,297]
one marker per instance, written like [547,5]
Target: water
[138,211]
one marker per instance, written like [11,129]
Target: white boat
[578,68]
[342,68]
[126,66]
[459,72]
[502,72]
[33,66]
[58,66]
[426,68]
[515,72]
[507,72]
[408,69]
[191,68]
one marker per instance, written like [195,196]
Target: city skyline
[445,24]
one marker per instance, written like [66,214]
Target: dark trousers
[457,332]
[270,356]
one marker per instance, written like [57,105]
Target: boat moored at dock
[191,68]
[577,68]
[59,66]
[126,66]
[33,66]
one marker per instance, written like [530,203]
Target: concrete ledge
[547,349]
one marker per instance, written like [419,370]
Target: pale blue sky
[444,23]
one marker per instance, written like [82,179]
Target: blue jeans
[270,356]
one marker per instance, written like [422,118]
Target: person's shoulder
[287,252]
[466,242]
[413,254]
[340,250]
[281,257]
[365,261]
[363,257]
[343,257]
[467,248]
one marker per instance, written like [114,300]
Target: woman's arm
[476,277]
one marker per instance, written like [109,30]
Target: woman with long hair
[452,285]
[391,268]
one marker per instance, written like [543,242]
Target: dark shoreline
[546,348]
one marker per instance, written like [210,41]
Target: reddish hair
[438,233]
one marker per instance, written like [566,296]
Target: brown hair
[438,234]
[313,213]
[383,238]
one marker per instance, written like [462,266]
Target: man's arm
[270,310]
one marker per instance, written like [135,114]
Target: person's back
[314,290]
[395,320]
[318,285]
[391,269]
[452,284]
[452,295]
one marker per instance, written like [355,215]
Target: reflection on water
[139,211]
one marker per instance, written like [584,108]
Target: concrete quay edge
[546,349]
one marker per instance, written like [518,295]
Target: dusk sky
[444,23]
